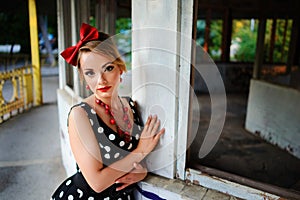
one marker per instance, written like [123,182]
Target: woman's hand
[150,135]
[136,175]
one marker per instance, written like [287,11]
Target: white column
[61,44]
[156,56]
[74,32]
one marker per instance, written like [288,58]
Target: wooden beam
[272,40]
[207,30]
[297,53]
[259,55]
[35,56]
[293,45]
[226,36]
[112,17]
[284,39]
[106,16]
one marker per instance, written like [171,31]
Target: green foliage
[281,46]
[200,32]
[247,48]
[123,39]
[123,24]
[215,39]
[245,38]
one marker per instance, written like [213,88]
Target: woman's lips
[104,89]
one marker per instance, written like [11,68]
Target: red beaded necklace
[112,121]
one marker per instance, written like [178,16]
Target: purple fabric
[149,195]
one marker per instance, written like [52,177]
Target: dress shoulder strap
[89,111]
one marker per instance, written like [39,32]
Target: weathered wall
[273,113]
[64,103]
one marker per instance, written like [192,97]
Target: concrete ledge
[177,189]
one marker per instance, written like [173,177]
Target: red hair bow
[87,33]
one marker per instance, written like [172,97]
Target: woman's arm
[137,174]
[87,153]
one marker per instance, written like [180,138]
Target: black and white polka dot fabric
[112,147]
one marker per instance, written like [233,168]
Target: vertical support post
[98,15]
[272,42]
[259,55]
[297,51]
[192,73]
[160,66]
[112,17]
[226,36]
[293,45]
[207,30]
[74,34]
[106,16]
[284,39]
[35,58]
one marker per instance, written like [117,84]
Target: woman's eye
[89,73]
[109,68]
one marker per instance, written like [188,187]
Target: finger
[160,133]
[120,180]
[137,166]
[122,186]
[123,179]
[155,128]
[152,122]
[148,122]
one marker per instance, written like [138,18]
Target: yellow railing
[20,81]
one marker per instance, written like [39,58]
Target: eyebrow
[104,65]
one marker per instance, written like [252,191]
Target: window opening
[238,151]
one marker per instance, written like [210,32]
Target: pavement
[30,154]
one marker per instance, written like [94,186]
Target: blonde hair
[104,46]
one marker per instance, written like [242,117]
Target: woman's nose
[101,79]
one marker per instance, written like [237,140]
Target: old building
[170,71]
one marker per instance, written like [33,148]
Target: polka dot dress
[112,147]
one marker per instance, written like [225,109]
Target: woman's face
[100,74]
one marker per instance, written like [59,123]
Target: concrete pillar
[160,58]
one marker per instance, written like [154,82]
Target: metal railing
[16,91]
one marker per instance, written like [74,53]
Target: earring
[87,87]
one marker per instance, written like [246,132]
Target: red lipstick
[104,89]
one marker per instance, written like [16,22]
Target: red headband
[87,33]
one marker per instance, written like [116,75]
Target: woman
[105,131]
